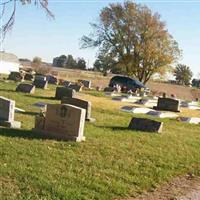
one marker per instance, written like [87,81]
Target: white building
[8,62]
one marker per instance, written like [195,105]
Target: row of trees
[131,40]
[69,62]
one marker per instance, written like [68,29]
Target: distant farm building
[8,63]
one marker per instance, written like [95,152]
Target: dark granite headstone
[28,77]
[40,84]
[62,92]
[147,125]
[52,79]
[168,104]
[109,89]
[16,76]
[79,103]
[85,83]
[75,87]
[26,88]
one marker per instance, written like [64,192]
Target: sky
[34,34]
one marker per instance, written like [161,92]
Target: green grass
[112,163]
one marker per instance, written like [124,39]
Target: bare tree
[5,6]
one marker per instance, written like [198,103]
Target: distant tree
[8,10]
[81,64]
[70,62]
[39,67]
[104,63]
[37,62]
[60,61]
[134,37]
[183,74]
[196,83]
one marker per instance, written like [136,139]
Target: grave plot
[161,114]
[147,102]
[130,98]
[193,105]
[137,110]
[190,120]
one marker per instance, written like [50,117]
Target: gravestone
[98,88]
[40,77]
[75,87]
[80,103]
[62,92]
[26,88]
[109,89]
[147,125]
[86,83]
[40,84]
[16,76]
[168,104]
[28,77]
[62,122]
[7,112]
[52,79]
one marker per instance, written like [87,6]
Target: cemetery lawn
[113,162]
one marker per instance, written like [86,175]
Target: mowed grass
[112,163]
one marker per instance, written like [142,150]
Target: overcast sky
[35,35]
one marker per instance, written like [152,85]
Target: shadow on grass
[42,97]
[115,128]
[7,90]
[27,134]
[29,113]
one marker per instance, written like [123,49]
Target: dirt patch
[181,188]
[181,92]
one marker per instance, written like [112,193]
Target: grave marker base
[51,135]
[13,124]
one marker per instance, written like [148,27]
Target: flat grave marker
[147,125]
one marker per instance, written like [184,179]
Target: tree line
[130,38]
[69,62]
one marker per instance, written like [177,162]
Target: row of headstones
[66,121]
[43,84]
[42,80]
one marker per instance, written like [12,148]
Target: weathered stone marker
[26,88]
[62,92]
[7,113]
[168,104]
[86,83]
[80,103]
[62,122]
[143,124]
